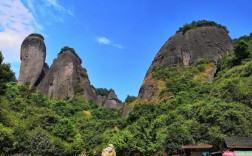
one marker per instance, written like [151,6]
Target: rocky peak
[203,42]
[108,98]
[33,54]
[66,77]
[186,48]
[112,100]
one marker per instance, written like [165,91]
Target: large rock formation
[33,54]
[63,79]
[209,42]
[66,77]
[203,42]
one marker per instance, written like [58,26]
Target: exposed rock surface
[109,151]
[110,100]
[63,79]
[66,77]
[208,42]
[33,54]
[42,74]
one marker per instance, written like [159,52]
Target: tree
[1,57]
[6,139]
[6,74]
[241,51]
[130,99]
[65,130]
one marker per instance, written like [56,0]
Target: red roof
[197,147]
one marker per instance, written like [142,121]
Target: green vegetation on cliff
[36,35]
[66,48]
[200,23]
[198,111]
[102,91]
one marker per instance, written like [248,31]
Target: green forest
[199,112]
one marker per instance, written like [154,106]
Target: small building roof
[197,147]
[238,142]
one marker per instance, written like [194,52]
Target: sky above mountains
[117,40]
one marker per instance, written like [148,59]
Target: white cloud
[16,23]
[106,41]
[19,18]
[118,46]
[59,7]
[54,3]
[103,40]
[48,11]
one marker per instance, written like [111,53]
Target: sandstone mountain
[186,48]
[64,79]
[33,54]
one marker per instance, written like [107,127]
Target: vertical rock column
[33,54]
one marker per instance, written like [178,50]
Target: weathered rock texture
[207,42]
[110,100]
[33,54]
[109,151]
[66,77]
[63,79]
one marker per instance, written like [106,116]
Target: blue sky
[117,40]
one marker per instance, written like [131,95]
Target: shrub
[241,50]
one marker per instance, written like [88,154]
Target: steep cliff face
[203,42]
[66,77]
[207,42]
[33,54]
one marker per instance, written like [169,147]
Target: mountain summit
[193,42]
